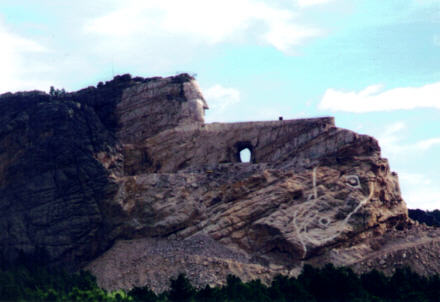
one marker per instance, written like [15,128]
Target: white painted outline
[307,215]
[347,179]
[315,190]
[324,223]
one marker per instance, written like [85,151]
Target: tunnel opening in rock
[245,155]
[244,152]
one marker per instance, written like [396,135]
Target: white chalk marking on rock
[363,202]
[302,229]
[299,235]
[319,239]
[353,178]
[315,190]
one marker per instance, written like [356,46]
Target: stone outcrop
[60,155]
[126,179]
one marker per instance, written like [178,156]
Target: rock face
[60,157]
[131,168]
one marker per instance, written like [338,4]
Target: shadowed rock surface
[127,180]
[60,157]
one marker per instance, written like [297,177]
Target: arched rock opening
[244,152]
[245,155]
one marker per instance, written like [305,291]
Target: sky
[372,64]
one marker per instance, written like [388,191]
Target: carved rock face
[133,159]
[60,156]
[195,106]
[148,108]
[263,211]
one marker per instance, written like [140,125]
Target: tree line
[327,284]
[430,218]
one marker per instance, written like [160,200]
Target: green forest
[326,284]
[431,218]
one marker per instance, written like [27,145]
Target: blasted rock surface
[59,156]
[127,180]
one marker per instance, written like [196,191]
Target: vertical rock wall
[59,156]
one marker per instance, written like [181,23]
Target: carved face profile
[196,105]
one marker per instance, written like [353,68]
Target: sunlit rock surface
[127,180]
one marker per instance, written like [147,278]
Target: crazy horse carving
[130,166]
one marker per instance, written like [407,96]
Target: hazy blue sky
[373,64]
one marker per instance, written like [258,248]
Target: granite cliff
[125,179]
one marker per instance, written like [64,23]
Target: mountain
[126,180]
